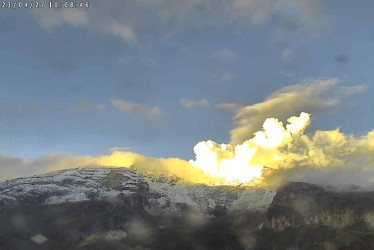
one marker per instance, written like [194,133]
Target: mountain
[307,216]
[155,194]
[104,208]
[121,209]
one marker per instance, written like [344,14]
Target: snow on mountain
[160,196]
[66,186]
[170,198]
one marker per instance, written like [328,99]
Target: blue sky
[147,76]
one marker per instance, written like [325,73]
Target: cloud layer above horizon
[127,20]
[312,96]
[294,156]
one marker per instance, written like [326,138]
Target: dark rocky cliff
[307,216]
[300,204]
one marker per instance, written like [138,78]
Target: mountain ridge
[111,208]
[160,195]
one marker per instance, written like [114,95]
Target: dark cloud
[342,58]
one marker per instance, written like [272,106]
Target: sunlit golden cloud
[285,151]
[230,106]
[273,153]
[312,96]
[13,167]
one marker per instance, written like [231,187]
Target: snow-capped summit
[156,196]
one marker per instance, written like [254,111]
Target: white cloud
[138,108]
[51,19]
[122,30]
[189,104]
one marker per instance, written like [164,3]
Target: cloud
[342,58]
[351,90]
[335,176]
[189,104]
[230,106]
[51,19]
[226,56]
[312,96]
[14,167]
[323,157]
[222,77]
[130,20]
[120,149]
[122,30]
[330,158]
[138,108]
[86,105]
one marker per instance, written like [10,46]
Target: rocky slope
[156,195]
[102,208]
[301,204]
[306,216]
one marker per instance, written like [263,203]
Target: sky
[155,77]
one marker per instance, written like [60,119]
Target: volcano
[104,208]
